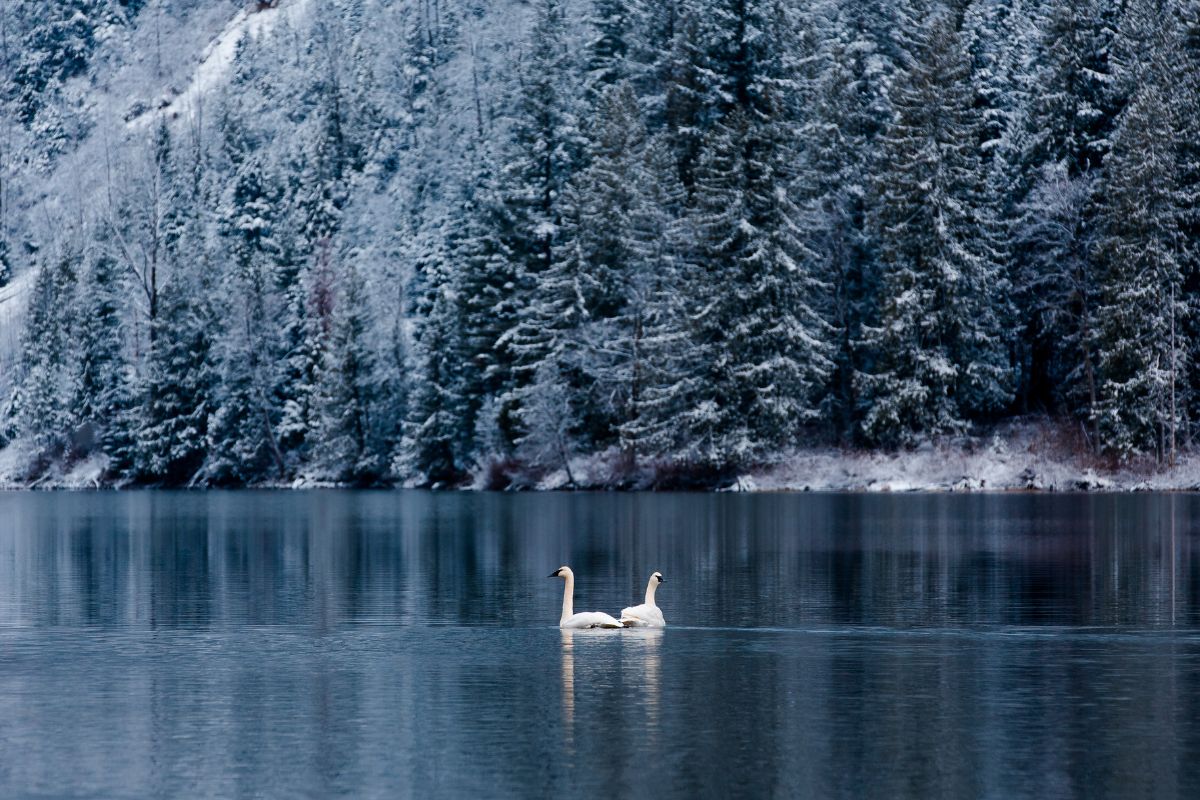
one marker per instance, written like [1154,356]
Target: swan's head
[562,572]
[658,578]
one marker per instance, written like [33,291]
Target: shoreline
[1025,457]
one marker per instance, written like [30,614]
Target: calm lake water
[318,644]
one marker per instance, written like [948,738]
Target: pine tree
[622,244]
[545,150]
[181,387]
[847,112]
[683,104]
[437,439]
[1070,110]
[1073,106]
[612,23]
[760,351]
[937,352]
[645,344]
[1060,283]
[324,165]
[486,276]
[44,388]
[57,47]
[243,445]
[1140,347]
[102,401]
[351,450]
[1185,110]
[548,439]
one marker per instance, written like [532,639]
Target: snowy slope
[218,56]
[13,299]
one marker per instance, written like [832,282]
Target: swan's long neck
[650,587]
[568,599]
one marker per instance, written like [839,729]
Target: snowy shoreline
[1024,457]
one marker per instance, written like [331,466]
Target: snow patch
[20,459]
[14,299]
[86,474]
[218,57]
[15,461]
[13,296]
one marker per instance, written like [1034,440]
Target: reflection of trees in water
[324,558]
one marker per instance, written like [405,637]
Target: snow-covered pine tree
[548,439]
[243,445]
[847,111]
[485,274]
[1141,353]
[55,47]
[936,354]
[5,261]
[102,402]
[646,367]
[307,295]
[613,28]
[437,439]
[324,163]
[1071,108]
[1185,102]
[1073,104]
[1000,37]
[44,389]
[622,246]
[681,101]
[178,375]
[545,149]
[350,450]
[1059,282]
[759,352]
[180,386]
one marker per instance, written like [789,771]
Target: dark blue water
[404,645]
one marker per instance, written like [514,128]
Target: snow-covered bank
[1026,456]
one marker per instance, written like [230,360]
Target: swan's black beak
[661,579]
[554,574]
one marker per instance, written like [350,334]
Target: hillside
[466,243]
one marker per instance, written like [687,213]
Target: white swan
[584,619]
[647,615]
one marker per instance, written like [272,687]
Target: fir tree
[1140,348]
[760,349]
[546,145]
[936,353]
[623,244]
[351,450]
[181,388]
[44,388]
[847,112]
[101,406]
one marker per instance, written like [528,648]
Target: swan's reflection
[632,671]
[568,686]
[643,662]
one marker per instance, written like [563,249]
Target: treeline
[690,233]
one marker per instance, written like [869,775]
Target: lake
[404,644]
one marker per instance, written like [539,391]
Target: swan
[647,615]
[584,619]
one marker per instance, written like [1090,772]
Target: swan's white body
[584,619]
[647,615]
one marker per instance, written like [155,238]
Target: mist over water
[404,644]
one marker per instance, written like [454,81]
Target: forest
[437,242]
